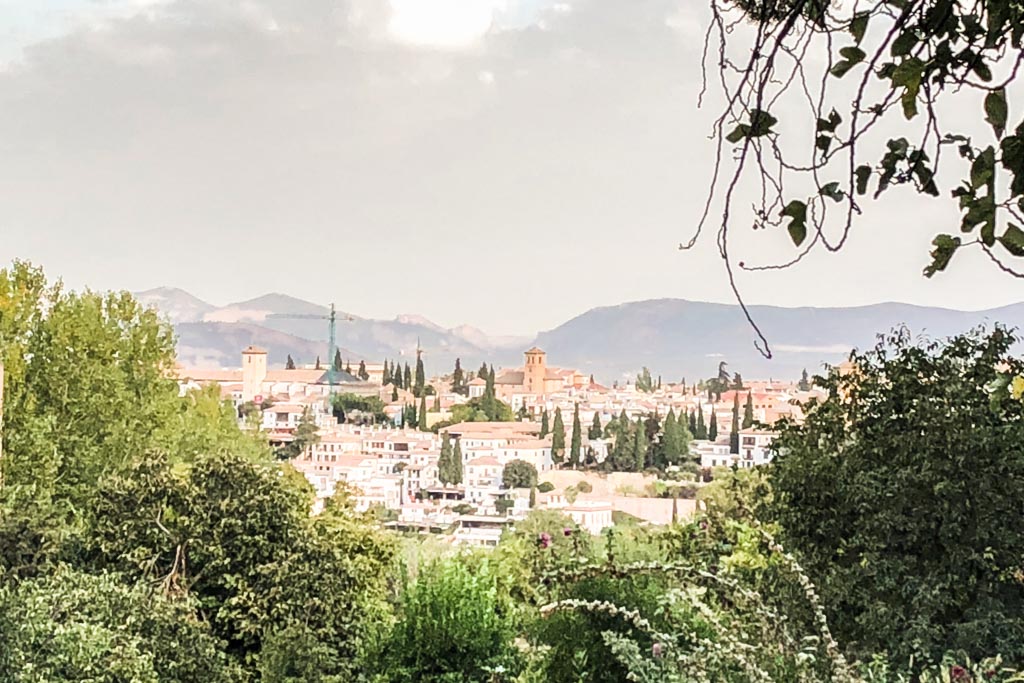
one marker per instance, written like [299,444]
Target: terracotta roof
[483,461]
[535,350]
[210,374]
[510,377]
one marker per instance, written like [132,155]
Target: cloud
[828,348]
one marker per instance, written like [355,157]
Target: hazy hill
[677,338]
[177,304]
[214,344]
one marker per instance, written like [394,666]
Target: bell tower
[535,370]
[254,371]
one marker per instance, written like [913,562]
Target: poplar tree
[558,437]
[577,438]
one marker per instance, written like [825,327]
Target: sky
[507,164]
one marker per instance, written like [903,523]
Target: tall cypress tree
[734,433]
[713,427]
[595,428]
[458,378]
[363,374]
[489,402]
[289,364]
[317,362]
[577,438]
[482,372]
[394,393]
[385,377]
[422,419]
[421,376]
[337,360]
[437,403]
[701,431]
[407,377]
[444,461]
[558,437]
[545,425]
[693,423]
[671,449]
[639,446]
[457,463]
[748,412]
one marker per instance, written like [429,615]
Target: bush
[518,474]
[455,626]
[546,487]
[584,486]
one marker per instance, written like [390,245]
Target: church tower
[254,371]
[535,370]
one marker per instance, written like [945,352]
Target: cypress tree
[410,416]
[385,377]
[748,412]
[482,372]
[489,404]
[734,433]
[437,403]
[422,420]
[670,439]
[318,362]
[421,376]
[337,360]
[693,423]
[713,427]
[595,428]
[639,446]
[444,461]
[394,393]
[407,378]
[545,427]
[558,438]
[289,364]
[458,380]
[457,463]
[577,438]
[701,431]
[363,374]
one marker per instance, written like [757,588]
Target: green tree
[445,466]
[237,536]
[734,430]
[305,436]
[926,434]
[545,427]
[519,474]
[420,380]
[459,379]
[577,438]
[644,382]
[338,364]
[558,438]
[72,626]
[713,427]
[701,430]
[595,432]
[394,393]
[407,377]
[362,373]
[639,446]
[457,462]
[422,418]
[748,412]
[385,377]
[289,364]
[456,625]
[693,424]
[482,372]
[317,366]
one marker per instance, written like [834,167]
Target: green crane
[331,319]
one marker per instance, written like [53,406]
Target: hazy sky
[504,163]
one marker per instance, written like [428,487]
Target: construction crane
[331,319]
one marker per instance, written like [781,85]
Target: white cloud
[447,24]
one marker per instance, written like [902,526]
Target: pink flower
[544,540]
[958,673]
[567,532]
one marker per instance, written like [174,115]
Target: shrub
[584,486]
[546,487]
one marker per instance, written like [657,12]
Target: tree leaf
[832,191]
[863,174]
[1013,240]
[996,111]
[859,25]
[797,211]
[738,133]
[853,54]
[945,247]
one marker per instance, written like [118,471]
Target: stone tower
[535,370]
[254,371]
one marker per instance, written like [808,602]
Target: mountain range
[675,338]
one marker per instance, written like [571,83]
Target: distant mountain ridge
[675,338]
